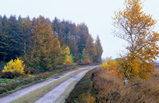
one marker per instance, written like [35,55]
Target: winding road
[58,94]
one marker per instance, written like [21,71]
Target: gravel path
[54,94]
[22,92]
[50,96]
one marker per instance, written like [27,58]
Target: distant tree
[15,40]
[90,47]
[56,26]
[0,19]
[55,51]
[20,20]
[4,42]
[9,44]
[85,54]
[26,34]
[135,27]
[99,49]
[82,31]
[72,43]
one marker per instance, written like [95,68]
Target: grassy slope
[82,90]
[106,88]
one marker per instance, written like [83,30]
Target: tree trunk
[24,47]
[126,80]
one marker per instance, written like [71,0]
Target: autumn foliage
[136,28]
[111,66]
[14,66]
[87,60]
[68,58]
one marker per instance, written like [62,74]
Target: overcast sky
[96,14]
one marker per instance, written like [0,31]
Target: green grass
[34,95]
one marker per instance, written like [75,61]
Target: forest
[44,44]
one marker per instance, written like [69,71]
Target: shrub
[13,69]
[104,65]
[14,66]
[108,88]
[111,66]
[87,98]
[88,61]
[69,59]
[9,75]
[30,71]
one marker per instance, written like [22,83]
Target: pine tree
[9,38]
[85,54]
[90,47]
[26,33]
[99,50]
[83,34]
[55,52]
[72,43]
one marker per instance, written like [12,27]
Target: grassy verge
[106,88]
[34,95]
[11,85]
[82,91]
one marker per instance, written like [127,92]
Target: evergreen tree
[85,54]
[90,47]
[72,43]
[56,26]
[9,44]
[4,42]
[55,50]
[99,50]
[26,33]
[82,31]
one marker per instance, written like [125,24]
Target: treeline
[44,44]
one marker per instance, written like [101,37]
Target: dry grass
[110,89]
[82,91]
[99,86]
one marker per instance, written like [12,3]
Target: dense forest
[43,44]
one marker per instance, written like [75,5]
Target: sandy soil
[56,91]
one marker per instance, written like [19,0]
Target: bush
[8,75]
[14,66]
[30,71]
[104,65]
[108,88]
[88,61]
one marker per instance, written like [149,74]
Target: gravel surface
[50,96]
[22,92]
[54,94]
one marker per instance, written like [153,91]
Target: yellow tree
[40,45]
[68,58]
[136,27]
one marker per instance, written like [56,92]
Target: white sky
[96,14]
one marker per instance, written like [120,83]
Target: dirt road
[57,94]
